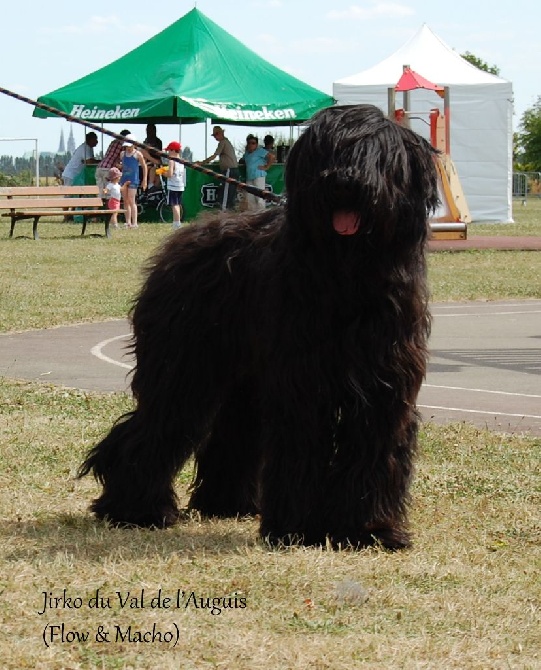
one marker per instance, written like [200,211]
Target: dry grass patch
[484,275]
[526,221]
[466,596]
[65,278]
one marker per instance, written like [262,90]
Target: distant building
[71,141]
[61,145]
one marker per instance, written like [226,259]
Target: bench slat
[62,212]
[48,190]
[56,203]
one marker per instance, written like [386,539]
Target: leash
[260,193]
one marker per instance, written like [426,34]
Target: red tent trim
[411,80]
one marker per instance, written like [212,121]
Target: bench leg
[35,228]
[13,221]
[107,222]
[84,225]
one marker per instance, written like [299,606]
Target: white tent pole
[446,112]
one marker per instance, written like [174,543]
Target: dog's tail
[102,457]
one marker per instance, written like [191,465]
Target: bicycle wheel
[165,212]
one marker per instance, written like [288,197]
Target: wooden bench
[33,202]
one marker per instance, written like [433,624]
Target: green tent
[191,71]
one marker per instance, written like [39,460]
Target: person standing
[175,182]
[83,155]
[268,143]
[132,160]
[153,158]
[257,160]
[110,160]
[228,165]
[113,193]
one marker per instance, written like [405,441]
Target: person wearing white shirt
[175,182]
[83,155]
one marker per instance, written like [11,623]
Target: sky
[56,42]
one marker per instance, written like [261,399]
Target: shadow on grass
[82,538]
[44,238]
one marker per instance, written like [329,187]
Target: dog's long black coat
[286,356]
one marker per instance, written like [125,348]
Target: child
[132,160]
[175,182]
[112,190]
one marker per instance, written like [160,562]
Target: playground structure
[451,219]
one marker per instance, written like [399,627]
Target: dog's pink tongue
[345,223]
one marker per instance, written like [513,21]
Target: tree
[528,139]
[480,64]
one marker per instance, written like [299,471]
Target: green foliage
[25,178]
[528,139]
[19,165]
[283,140]
[480,64]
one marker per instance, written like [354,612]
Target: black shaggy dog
[285,350]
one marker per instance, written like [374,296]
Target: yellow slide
[450,222]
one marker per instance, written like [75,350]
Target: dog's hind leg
[136,466]
[227,466]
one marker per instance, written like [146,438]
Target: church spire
[61,145]
[71,141]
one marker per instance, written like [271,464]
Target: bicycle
[154,199]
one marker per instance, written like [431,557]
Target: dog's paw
[121,518]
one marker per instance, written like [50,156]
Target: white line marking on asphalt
[462,388]
[454,305]
[533,311]
[479,411]
[97,351]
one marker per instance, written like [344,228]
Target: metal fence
[526,184]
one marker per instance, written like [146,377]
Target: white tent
[481,110]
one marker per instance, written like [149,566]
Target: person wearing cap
[111,159]
[176,178]
[132,159]
[112,191]
[228,165]
[83,155]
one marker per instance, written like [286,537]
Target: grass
[490,274]
[467,596]
[484,275]
[526,220]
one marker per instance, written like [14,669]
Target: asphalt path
[485,365]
